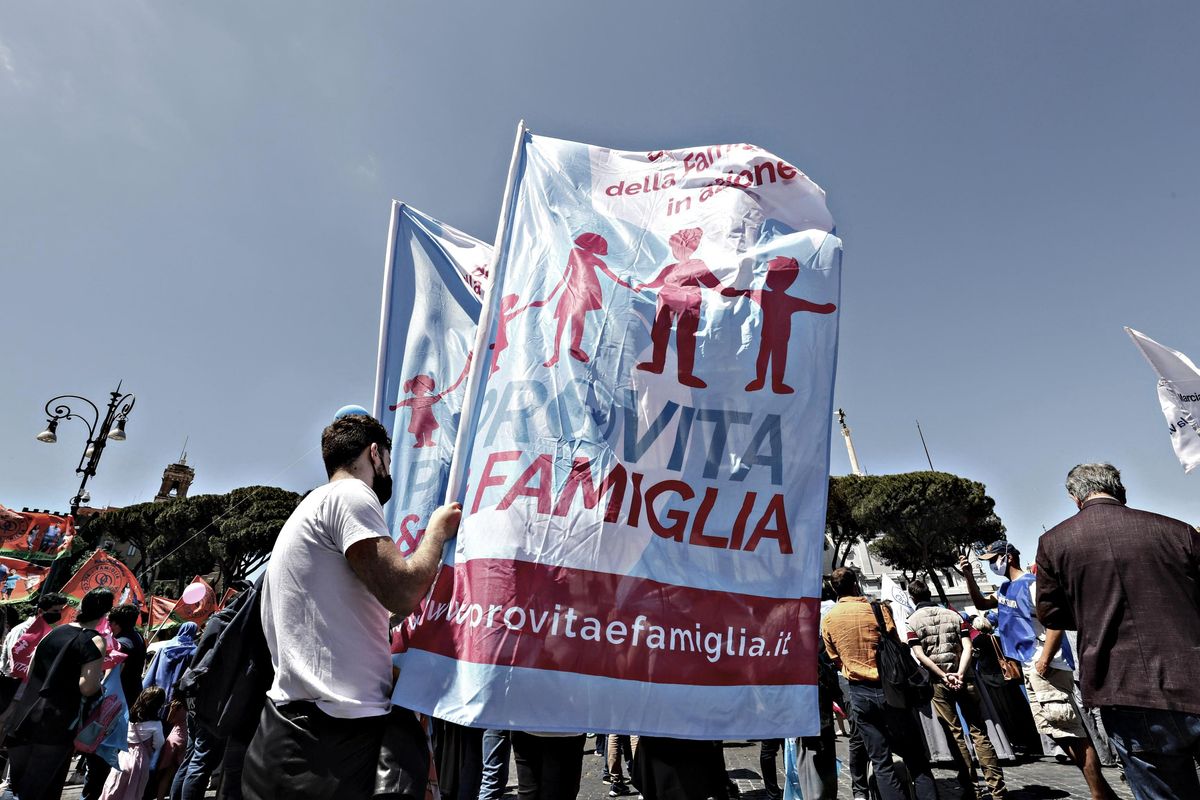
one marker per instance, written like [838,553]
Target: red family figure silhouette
[679,299]
[509,312]
[581,292]
[423,423]
[777,309]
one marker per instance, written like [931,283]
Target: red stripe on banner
[520,614]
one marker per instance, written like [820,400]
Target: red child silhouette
[509,312]
[423,423]
[679,299]
[777,309]
[581,292]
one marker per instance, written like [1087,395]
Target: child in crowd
[172,753]
[128,782]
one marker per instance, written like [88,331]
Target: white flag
[900,601]
[1179,395]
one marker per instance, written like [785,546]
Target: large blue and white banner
[645,445]
[434,278]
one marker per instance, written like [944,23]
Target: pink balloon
[194,593]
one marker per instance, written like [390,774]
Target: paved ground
[1042,779]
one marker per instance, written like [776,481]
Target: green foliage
[926,520]
[846,493]
[229,534]
[248,529]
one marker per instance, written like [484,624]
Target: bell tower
[177,479]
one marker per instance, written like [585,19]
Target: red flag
[160,610]
[36,536]
[103,570]
[230,593]
[19,580]
[22,652]
[164,609]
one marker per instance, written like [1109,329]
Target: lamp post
[100,431]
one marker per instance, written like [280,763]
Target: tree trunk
[932,573]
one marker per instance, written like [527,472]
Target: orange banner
[19,580]
[36,536]
[103,570]
[8,514]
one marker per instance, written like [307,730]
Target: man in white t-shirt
[334,578]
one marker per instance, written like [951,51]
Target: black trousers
[300,751]
[39,771]
[458,753]
[768,765]
[680,769]
[886,730]
[548,767]
[95,773]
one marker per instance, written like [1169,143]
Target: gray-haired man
[1129,582]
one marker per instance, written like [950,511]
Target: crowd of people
[286,692]
[92,691]
[1127,581]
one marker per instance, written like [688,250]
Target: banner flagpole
[455,484]
[385,312]
[458,465]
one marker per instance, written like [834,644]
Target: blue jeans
[1158,749]
[496,748]
[885,730]
[200,760]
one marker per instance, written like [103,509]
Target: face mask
[998,567]
[52,617]
[382,484]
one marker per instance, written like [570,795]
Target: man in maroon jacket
[1129,582]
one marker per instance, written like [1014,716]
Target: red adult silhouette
[509,312]
[581,292]
[777,309]
[423,423]
[679,299]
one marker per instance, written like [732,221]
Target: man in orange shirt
[851,635]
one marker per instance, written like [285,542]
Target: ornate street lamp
[100,432]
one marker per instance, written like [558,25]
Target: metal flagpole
[922,435]
[458,464]
[385,313]
[456,483]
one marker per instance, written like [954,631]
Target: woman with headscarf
[170,661]
[1004,694]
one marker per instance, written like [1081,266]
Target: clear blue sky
[194,198]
